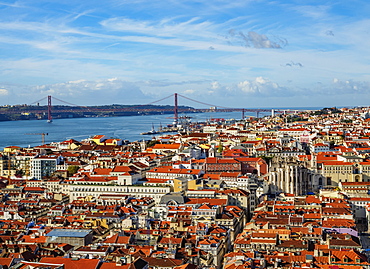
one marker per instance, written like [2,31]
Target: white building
[77,190]
[43,166]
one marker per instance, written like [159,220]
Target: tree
[220,148]
[151,143]
[19,173]
[72,169]
[267,159]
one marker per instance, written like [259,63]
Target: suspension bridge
[121,110]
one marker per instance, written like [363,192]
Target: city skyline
[240,54]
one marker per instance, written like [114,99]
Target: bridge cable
[131,107]
[38,101]
[199,102]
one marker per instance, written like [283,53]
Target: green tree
[220,148]
[72,169]
[151,143]
[19,173]
[266,158]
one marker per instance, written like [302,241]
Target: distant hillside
[24,112]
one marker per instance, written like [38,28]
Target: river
[13,133]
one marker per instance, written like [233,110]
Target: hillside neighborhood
[282,191]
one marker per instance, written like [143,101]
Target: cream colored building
[78,190]
[340,171]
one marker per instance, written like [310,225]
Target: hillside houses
[272,192]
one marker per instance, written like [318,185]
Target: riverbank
[126,128]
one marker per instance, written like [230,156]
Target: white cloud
[167,83]
[314,12]
[190,91]
[215,85]
[4,92]
[167,27]
[15,5]
[349,87]
[76,81]
[261,86]
[85,92]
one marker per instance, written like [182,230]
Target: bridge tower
[50,119]
[176,115]
[243,112]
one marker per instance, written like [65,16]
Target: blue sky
[237,53]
